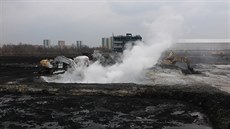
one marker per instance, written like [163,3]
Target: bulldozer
[172,59]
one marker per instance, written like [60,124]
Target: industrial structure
[119,43]
[202,44]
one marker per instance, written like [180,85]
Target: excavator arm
[172,59]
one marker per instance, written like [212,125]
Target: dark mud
[17,74]
[127,98]
[97,112]
[26,102]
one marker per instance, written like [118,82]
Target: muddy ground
[97,112]
[26,102]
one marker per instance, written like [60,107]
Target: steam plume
[143,55]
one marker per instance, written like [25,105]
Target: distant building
[46,43]
[61,44]
[119,42]
[79,44]
[107,43]
[202,44]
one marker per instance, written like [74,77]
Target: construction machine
[172,59]
[60,64]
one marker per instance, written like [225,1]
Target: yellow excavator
[57,65]
[60,64]
[172,58]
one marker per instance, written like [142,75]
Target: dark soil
[96,112]
[27,103]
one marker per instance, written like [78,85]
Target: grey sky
[31,21]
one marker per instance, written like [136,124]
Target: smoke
[167,26]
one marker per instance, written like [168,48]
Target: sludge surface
[18,82]
[98,112]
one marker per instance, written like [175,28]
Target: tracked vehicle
[61,64]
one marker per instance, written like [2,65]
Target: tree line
[39,50]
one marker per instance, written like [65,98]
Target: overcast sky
[31,21]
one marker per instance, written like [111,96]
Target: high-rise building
[119,42]
[103,40]
[46,43]
[107,42]
[61,44]
[79,44]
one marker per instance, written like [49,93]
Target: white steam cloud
[161,32]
